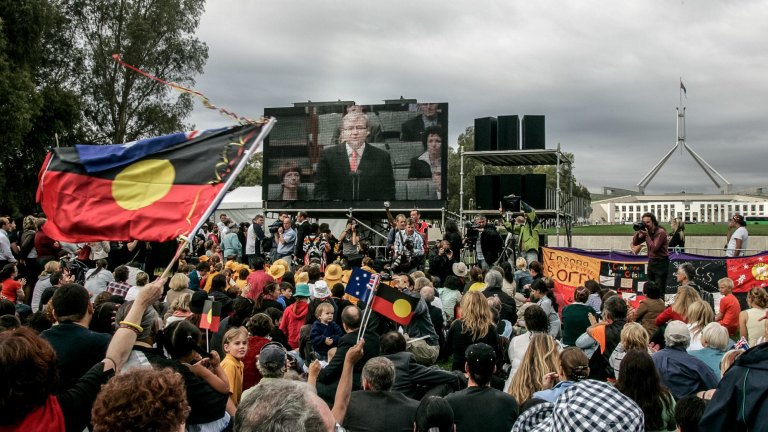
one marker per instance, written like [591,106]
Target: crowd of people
[488,347]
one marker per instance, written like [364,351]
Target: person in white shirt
[737,241]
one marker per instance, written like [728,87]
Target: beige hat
[460,269]
[332,274]
[276,271]
[302,277]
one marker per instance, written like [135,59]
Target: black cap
[480,354]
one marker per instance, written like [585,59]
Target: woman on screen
[290,184]
[429,164]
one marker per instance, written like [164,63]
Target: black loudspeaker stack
[489,190]
[533,132]
[509,133]
[485,134]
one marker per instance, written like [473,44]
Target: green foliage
[474,168]
[157,36]
[34,104]
[252,173]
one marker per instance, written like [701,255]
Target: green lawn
[702,229]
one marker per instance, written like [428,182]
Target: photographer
[526,228]
[486,240]
[409,247]
[273,227]
[656,240]
[441,260]
[349,240]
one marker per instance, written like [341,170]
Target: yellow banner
[569,268]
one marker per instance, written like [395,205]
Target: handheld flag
[393,304]
[211,316]
[741,344]
[154,189]
[361,284]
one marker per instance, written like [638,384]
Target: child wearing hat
[296,315]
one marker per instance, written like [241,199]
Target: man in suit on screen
[354,170]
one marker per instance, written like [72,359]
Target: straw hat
[302,277]
[283,263]
[333,274]
[460,269]
[276,271]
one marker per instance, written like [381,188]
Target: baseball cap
[272,354]
[480,354]
[677,330]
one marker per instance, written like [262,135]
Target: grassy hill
[703,229]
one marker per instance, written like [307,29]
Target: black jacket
[375,181]
[508,305]
[328,379]
[741,399]
[409,375]
[490,242]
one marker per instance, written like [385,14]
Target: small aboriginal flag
[153,189]
[211,316]
[393,304]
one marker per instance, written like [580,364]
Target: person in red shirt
[730,309]
[12,289]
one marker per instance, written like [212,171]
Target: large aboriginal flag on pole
[394,304]
[154,189]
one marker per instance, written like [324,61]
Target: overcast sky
[605,73]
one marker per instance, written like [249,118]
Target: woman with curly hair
[149,400]
[29,373]
[639,380]
[475,325]
[541,358]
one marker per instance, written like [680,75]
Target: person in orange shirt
[730,309]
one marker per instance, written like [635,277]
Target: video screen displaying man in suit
[345,155]
[354,170]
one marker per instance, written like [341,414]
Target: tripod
[509,253]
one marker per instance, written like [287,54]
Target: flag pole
[184,240]
[367,312]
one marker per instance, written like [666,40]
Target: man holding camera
[441,260]
[409,245]
[487,242]
[655,238]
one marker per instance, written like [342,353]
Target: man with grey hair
[683,373]
[377,407]
[281,405]
[493,283]
[354,169]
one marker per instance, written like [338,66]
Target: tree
[474,168]
[35,104]
[251,174]
[156,36]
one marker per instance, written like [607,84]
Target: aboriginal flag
[211,316]
[394,304]
[154,189]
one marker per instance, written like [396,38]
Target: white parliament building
[698,208]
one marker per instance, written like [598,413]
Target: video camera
[510,203]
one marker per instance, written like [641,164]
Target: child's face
[287,293]
[326,316]
[724,289]
[237,347]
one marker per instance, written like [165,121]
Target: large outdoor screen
[342,156]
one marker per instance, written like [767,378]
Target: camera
[408,245]
[638,226]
